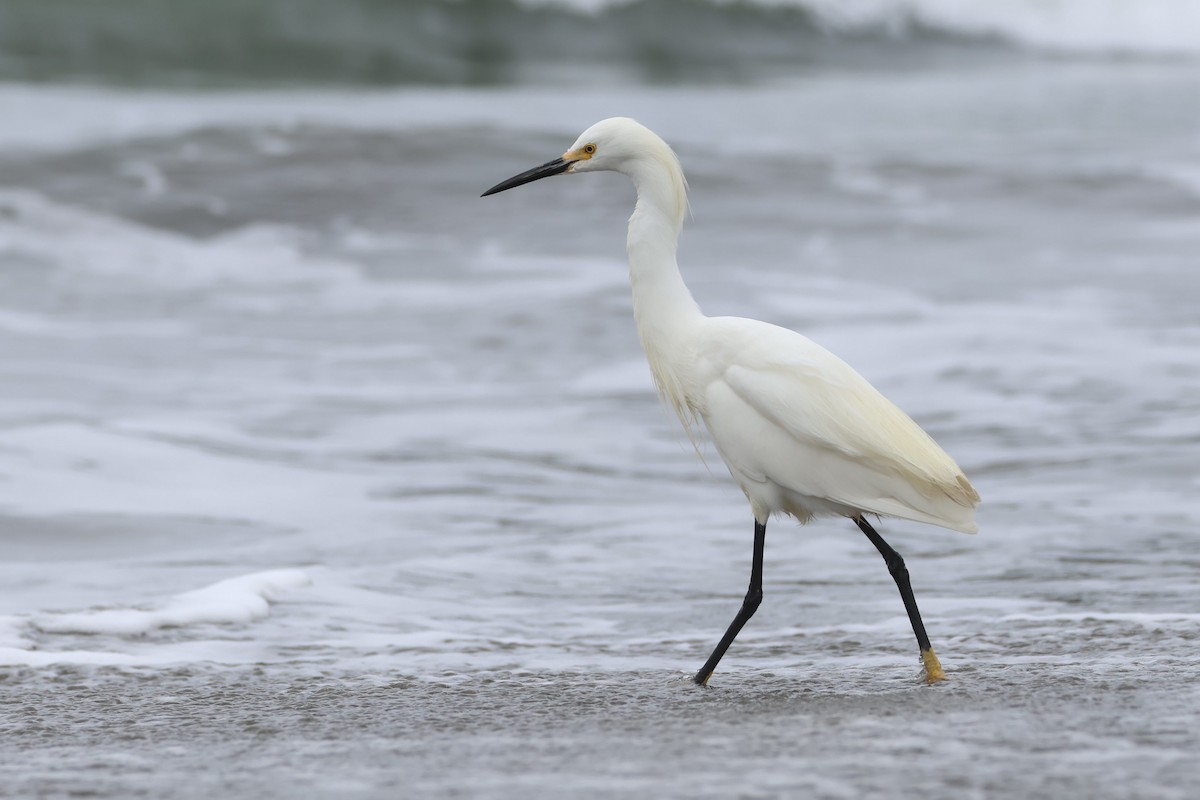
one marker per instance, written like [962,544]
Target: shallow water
[319,473]
[187,732]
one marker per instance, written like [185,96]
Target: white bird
[801,432]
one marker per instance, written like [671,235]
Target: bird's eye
[589,148]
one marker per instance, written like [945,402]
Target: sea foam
[233,601]
[1145,26]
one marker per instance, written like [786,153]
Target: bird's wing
[831,412]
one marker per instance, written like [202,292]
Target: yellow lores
[580,153]
[801,432]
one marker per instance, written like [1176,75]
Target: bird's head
[620,144]
[613,144]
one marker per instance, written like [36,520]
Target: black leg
[749,606]
[899,572]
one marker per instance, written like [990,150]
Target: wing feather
[836,417]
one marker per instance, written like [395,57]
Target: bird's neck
[663,308]
[662,304]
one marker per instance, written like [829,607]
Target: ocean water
[322,476]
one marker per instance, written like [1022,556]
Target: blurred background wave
[220,43]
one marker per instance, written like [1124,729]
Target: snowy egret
[801,432]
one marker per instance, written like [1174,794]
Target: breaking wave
[214,43]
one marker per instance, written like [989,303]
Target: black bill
[555,167]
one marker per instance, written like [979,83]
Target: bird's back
[803,433]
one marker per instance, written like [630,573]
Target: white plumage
[801,432]
[804,433]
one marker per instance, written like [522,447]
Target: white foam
[232,601]
[1135,26]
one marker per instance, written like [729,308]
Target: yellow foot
[933,667]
